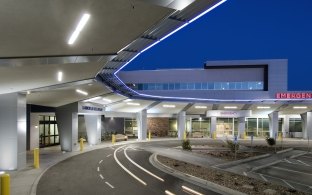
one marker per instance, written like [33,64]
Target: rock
[248,186]
[269,192]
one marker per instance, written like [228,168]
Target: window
[48,131]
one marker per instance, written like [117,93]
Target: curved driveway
[119,170]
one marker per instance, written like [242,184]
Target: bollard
[149,136]
[184,135]
[113,139]
[280,136]
[245,135]
[5,184]
[36,158]
[81,144]
[214,135]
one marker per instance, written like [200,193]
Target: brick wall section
[158,126]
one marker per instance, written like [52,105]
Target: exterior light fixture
[106,100]
[92,99]
[59,76]
[230,107]
[300,107]
[263,107]
[28,92]
[201,107]
[81,92]
[84,19]
[128,100]
[169,106]
[133,104]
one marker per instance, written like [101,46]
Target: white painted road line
[288,184]
[280,168]
[303,163]
[189,190]
[101,176]
[245,173]
[100,161]
[108,155]
[287,161]
[98,169]
[143,169]
[125,169]
[263,177]
[110,185]
[169,193]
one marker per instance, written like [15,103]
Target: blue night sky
[242,30]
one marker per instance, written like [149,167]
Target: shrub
[186,145]
[271,141]
[231,145]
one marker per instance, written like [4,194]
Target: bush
[231,145]
[186,145]
[271,141]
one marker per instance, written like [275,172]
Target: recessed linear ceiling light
[92,99]
[300,107]
[128,100]
[200,107]
[230,107]
[59,76]
[133,104]
[263,107]
[84,19]
[106,100]
[81,92]
[169,106]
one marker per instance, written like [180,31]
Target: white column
[285,128]
[273,124]
[190,125]
[34,131]
[241,127]
[142,124]
[213,125]
[181,124]
[12,131]
[93,127]
[306,125]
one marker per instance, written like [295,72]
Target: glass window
[225,85]
[56,130]
[238,85]
[158,86]
[210,85]
[51,139]
[232,86]
[191,86]
[245,85]
[251,126]
[197,86]
[165,86]
[151,86]
[41,129]
[140,86]
[51,129]
[171,86]
[259,85]
[183,86]
[204,86]
[46,129]
[52,118]
[57,140]
[41,118]
[145,86]
[177,86]
[217,86]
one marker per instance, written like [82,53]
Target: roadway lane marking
[125,169]
[143,169]
[288,184]
[169,193]
[304,163]
[98,169]
[189,190]
[110,185]
[108,155]
[263,177]
[100,161]
[280,168]
[288,161]
[101,176]
[245,173]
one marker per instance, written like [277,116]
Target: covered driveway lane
[97,172]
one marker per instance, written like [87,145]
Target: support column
[306,125]
[93,127]
[213,125]
[142,124]
[190,125]
[241,127]
[67,122]
[285,128]
[12,131]
[273,124]
[181,124]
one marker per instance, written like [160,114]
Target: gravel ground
[237,182]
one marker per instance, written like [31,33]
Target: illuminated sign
[229,113]
[91,108]
[300,95]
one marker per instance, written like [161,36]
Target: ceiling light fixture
[81,92]
[84,19]
[106,100]
[133,104]
[263,107]
[92,99]
[28,92]
[230,107]
[300,107]
[128,100]
[169,106]
[59,76]
[201,107]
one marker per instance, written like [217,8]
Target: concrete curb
[194,180]
[297,155]
[241,161]
[283,151]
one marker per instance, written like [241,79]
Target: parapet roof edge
[243,62]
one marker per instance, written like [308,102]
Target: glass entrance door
[225,126]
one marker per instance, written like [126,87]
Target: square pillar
[12,131]
[181,124]
[306,125]
[213,125]
[93,127]
[285,127]
[142,124]
[241,127]
[273,124]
